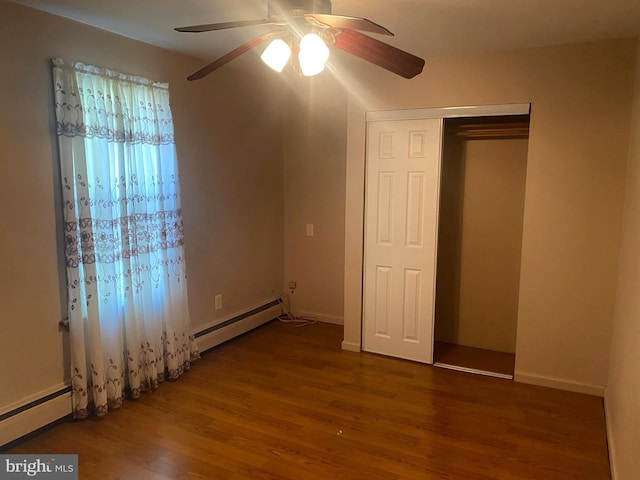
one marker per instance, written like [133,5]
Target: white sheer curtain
[128,316]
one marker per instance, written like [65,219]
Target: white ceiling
[423,27]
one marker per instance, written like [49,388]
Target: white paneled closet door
[401,218]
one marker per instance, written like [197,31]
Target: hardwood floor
[475,358]
[286,403]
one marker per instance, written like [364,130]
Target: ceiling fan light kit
[295,17]
[313,54]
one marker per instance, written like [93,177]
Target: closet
[482,185]
[444,201]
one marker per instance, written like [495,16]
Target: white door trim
[451,112]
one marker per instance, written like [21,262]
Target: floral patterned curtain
[128,316]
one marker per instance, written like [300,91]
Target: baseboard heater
[37,411]
[33,413]
[226,328]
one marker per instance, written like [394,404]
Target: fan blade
[379,53]
[222,26]
[341,21]
[245,47]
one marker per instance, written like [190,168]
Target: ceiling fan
[308,29]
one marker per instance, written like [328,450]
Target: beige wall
[623,391]
[314,187]
[228,134]
[479,242]
[580,109]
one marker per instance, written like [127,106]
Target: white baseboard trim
[559,383]
[34,412]
[231,326]
[351,347]
[608,421]
[321,317]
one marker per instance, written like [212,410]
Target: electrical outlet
[218,301]
[292,285]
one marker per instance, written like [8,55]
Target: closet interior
[479,243]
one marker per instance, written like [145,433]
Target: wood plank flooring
[286,403]
[476,358]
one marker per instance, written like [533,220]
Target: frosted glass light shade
[276,55]
[313,55]
[313,44]
[309,65]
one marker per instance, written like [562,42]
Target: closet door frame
[451,112]
[434,113]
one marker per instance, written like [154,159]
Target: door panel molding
[401,214]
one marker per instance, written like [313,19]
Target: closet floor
[474,358]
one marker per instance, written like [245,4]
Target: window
[124,248]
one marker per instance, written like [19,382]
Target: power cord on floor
[287,316]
